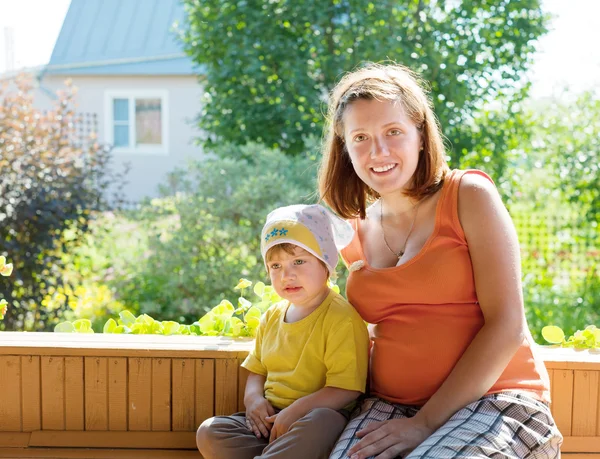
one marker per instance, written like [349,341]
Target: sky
[567,56]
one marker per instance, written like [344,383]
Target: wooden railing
[151,392]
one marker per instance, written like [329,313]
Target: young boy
[309,362]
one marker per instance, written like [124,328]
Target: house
[135,84]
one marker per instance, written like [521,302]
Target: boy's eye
[299,262]
[275,266]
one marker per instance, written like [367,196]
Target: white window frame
[131,96]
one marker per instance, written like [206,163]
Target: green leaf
[83,326]
[110,326]
[65,327]
[259,289]
[127,318]
[170,327]
[242,284]
[553,334]
[224,308]
[253,313]
[237,327]
[244,303]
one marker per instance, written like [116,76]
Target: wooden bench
[113,396]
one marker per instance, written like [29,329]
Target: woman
[435,268]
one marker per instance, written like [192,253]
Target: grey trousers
[312,436]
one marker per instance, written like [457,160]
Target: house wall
[147,169]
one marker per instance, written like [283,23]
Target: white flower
[357,265]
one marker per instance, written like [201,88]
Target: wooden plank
[96,393]
[146,440]
[74,403]
[99,453]
[32,403]
[14,439]
[140,394]
[115,345]
[574,444]
[205,390]
[226,381]
[550,380]
[117,394]
[184,372]
[562,402]
[10,394]
[580,456]
[242,378]
[161,394]
[585,403]
[53,392]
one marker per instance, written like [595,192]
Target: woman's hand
[257,414]
[388,439]
[282,421]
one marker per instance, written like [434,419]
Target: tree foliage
[205,232]
[568,141]
[51,182]
[269,65]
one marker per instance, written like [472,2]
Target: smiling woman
[440,258]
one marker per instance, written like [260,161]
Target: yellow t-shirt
[327,348]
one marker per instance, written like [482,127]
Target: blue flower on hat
[267,237]
[274,232]
[283,232]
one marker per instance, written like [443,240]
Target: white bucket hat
[311,227]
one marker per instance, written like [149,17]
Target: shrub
[207,232]
[51,184]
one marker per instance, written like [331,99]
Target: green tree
[568,140]
[269,65]
[555,175]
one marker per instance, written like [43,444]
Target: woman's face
[383,144]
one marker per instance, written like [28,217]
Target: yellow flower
[3,308]
[243,283]
[5,269]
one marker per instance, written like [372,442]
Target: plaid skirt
[504,425]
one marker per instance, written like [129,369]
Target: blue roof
[120,37]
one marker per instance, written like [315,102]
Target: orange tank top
[425,313]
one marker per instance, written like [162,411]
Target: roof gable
[120,37]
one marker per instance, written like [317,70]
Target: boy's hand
[282,421]
[257,414]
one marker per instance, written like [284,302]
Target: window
[136,121]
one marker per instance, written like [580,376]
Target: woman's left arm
[494,250]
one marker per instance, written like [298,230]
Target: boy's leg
[311,436]
[227,437]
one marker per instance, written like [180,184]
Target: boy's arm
[328,397]
[258,409]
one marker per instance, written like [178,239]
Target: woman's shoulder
[475,188]
[467,177]
[478,198]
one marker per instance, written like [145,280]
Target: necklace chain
[401,253]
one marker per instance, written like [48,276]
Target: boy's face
[299,277]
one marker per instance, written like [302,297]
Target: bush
[51,184]
[206,234]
